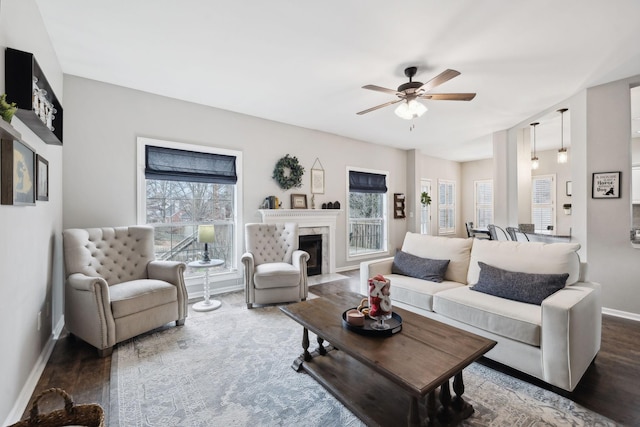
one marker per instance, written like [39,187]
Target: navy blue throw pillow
[420,268]
[524,287]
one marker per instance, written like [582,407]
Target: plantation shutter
[542,196]
[172,164]
[364,182]
[484,203]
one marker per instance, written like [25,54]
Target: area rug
[232,367]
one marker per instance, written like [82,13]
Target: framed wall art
[298,201]
[317,178]
[42,177]
[605,185]
[18,180]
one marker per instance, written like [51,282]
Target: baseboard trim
[32,381]
[620,313]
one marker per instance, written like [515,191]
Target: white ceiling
[304,63]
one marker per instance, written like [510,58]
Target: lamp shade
[206,234]
[535,163]
[410,109]
[563,157]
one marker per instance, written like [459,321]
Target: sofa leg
[180,322]
[104,352]
[249,305]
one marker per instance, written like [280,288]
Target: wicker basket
[91,415]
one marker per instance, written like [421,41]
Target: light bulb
[410,109]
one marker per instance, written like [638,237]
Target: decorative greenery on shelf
[294,176]
[7,110]
[425,198]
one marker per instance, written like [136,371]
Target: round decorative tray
[395,326]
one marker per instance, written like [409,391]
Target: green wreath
[293,178]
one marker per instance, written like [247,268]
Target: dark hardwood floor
[608,387]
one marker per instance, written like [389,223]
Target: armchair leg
[104,352]
[180,322]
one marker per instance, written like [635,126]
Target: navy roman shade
[364,182]
[182,165]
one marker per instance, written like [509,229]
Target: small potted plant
[7,110]
[425,198]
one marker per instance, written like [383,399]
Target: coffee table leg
[305,356]
[432,407]
[444,413]
[321,348]
[413,420]
[459,405]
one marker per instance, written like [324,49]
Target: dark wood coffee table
[384,380]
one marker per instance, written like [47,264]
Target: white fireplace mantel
[308,218]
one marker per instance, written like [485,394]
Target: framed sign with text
[605,185]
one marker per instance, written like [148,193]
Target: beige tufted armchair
[274,269]
[115,289]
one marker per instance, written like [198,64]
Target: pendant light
[563,156]
[535,163]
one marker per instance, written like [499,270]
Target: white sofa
[555,341]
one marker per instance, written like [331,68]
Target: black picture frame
[42,176]
[18,173]
[606,185]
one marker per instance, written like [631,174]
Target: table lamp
[206,235]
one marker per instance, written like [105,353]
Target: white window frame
[425,211]
[385,216]
[235,272]
[447,206]
[550,206]
[477,205]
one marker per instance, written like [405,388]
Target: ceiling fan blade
[449,96]
[381,89]
[379,106]
[443,77]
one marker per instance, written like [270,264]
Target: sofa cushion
[526,257]
[420,268]
[511,319]
[417,292]
[276,275]
[455,249]
[514,285]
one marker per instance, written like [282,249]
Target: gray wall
[102,122]
[30,249]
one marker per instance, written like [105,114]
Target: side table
[208,304]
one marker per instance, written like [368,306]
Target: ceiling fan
[409,93]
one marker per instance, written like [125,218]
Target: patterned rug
[232,367]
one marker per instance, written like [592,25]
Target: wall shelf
[398,205]
[20,70]
[8,132]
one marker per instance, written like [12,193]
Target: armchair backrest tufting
[116,254]
[271,242]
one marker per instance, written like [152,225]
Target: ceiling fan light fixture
[410,109]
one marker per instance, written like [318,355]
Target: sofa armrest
[370,269]
[571,333]
[172,272]
[299,260]
[87,311]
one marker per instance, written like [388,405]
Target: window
[367,224]
[543,198]
[425,210]
[446,207]
[182,186]
[483,201]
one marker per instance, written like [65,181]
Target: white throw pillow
[455,249]
[525,257]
